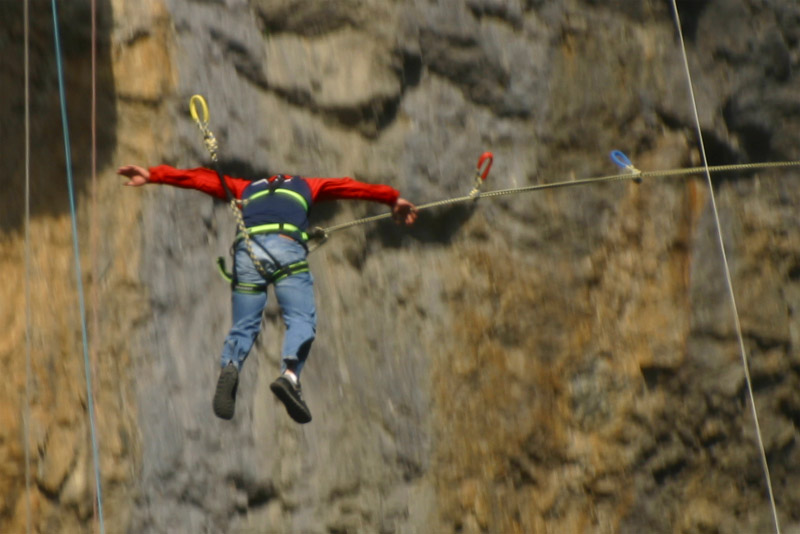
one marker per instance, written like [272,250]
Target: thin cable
[76,251]
[728,278]
[27,413]
[93,216]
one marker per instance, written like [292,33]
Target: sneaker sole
[296,411]
[225,394]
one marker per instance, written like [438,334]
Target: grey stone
[557,352]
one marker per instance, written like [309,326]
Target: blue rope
[76,250]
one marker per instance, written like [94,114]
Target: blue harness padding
[277,206]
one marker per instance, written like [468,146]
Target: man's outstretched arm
[201,179]
[325,189]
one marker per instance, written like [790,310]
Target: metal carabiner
[481,173]
[623,162]
[202,124]
[193,109]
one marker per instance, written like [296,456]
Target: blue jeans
[295,295]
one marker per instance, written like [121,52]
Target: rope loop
[193,109]
[209,140]
[623,162]
[481,173]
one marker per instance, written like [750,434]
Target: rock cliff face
[561,361]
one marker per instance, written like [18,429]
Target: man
[275,213]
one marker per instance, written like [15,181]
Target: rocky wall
[559,361]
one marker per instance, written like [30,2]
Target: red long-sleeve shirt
[322,189]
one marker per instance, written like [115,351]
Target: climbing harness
[274,189]
[272,228]
[274,278]
[244,233]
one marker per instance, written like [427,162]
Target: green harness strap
[297,197]
[253,289]
[273,228]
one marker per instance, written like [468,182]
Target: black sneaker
[291,397]
[225,395]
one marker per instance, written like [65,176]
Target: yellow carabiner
[193,109]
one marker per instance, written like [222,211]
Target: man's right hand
[136,175]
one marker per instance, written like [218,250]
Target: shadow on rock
[48,186]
